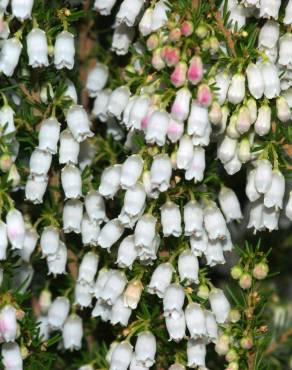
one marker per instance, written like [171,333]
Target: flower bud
[121,356]
[15,228]
[157,61]
[37,48]
[246,343]
[203,292]
[132,294]
[222,81]
[231,355]
[236,91]
[243,121]
[188,267]
[196,353]
[97,79]
[146,22]
[64,50]
[178,76]
[11,356]
[236,272]
[175,35]
[204,95]
[58,312]
[3,241]
[45,300]
[110,181]
[288,13]
[8,323]
[171,219]
[222,345]
[245,281]
[187,28]
[176,326]
[72,216]
[283,109]
[219,305]
[215,114]
[7,119]
[159,15]
[195,71]
[202,31]
[229,204]
[10,54]
[226,149]
[244,150]
[260,271]
[110,233]
[78,123]
[173,300]
[160,279]
[181,105]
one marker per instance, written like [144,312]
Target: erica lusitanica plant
[145,190]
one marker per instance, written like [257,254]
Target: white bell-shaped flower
[263,175]
[181,106]
[100,104]
[270,75]
[43,325]
[134,200]
[195,320]
[171,219]
[269,9]
[49,242]
[197,165]
[160,172]
[120,314]
[129,11]
[118,101]
[236,91]
[49,135]
[145,231]
[127,111]
[64,50]
[35,189]
[283,109]
[229,204]
[72,332]
[104,6]
[113,287]
[193,218]
[71,182]
[263,123]
[185,152]
[7,119]
[102,310]
[188,267]
[110,181]
[199,244]
[21,9]
[127,252]
[97,79]
[40,162]
[269,34]
[8,323]
[11,356]
[69,148]
[132,294]
[226,149]
[275,194]
[15,228]
[157,126]
[175,130]
[159,15]
[57,262]
[196,353]
[219,304]
[145,349]
[58,312]
[233,166]
[176,326]
[173,300]
[131,171]
[288,13]
[121,356]
[83,294]
[211,326]
[78,123]
[160,279]
[139,111]
[110,233]
[122,39]
[214,252]
[288,208]
[9,56]
[255,81]
[285,56]
[3,240]
[88,267]
[70,91]
[214,222]
[222,80]
[270,218]
[37,48]
[3,5]
[72,216]
[102,278]
[146,22]
[89,231]
[250,189]
[95,206]
[198,120]
[256,216]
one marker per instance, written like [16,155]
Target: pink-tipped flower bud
[157,62]
[170,55]
[260,271]
[195,71]
[178,76]
[187,28]
[245,280]
[236,272]
[175,34]
[204,95]
[152,42]
[246,342]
